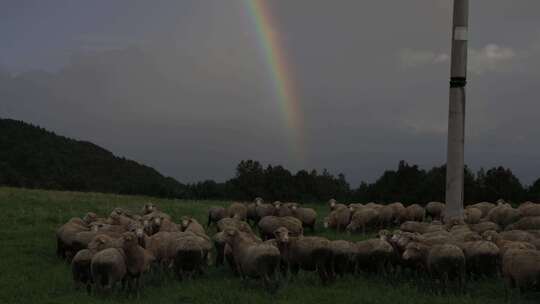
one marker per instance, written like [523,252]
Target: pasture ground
[30,272]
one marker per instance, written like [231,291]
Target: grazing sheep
[485,226]
[269,224]
[283,210]
[108,267]
[80,269]
[485,207]
[526,223]
[190,254]
[364,219]
[163,224]
[386,216]
[415,212]
[521,268]
[344,256]
[307,253]
[65,236]
[253,259]
[400,212]
[215,214]
[307,216]
[504,215]
[534,211]
[374,255]
[482,257]
[149,208]
[262,210]
[435,210]
[472,215]
[414,227]
[237,211]
[189,224]
[137,259]
[338,219]
[230,223]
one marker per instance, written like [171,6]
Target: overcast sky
[182,85]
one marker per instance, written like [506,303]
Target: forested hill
[33,157]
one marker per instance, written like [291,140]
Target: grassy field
[31,273]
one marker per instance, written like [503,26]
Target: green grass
[31,273]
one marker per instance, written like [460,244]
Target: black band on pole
[458,82]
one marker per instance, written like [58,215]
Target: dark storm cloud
[182,85]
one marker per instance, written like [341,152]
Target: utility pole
[456,117]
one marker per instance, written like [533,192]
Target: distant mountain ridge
[33,157]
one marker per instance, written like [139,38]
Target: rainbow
[276,60]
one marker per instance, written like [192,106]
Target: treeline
[32,157]
[408,183]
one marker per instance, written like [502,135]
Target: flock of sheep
[493,239]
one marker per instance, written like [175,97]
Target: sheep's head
[185,221]
[156,222]
[96,226]
[115,218]
[229,235]
[136,228]
[147,226]
[277,204]
[384,235]
[332,203]
[129,238]
[413,252]
[282,235]
[99,242]
[294,207]
[89,217]
[258,201]
[149,208]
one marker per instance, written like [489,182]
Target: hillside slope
[33,157]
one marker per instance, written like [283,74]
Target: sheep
[415,212]
[306,253]
[505,245]
[411,226]
[504,215]
[137,259]
[364,219]
[344,253]
[521,268]
[399,212]
[269,224]
[161,224]
[482,257]
[445,262]
[526,223]
[485,207]
[472,215]
[215,214]
[189,254]
[516,236]
[227,222]
[237,211]
[65,236]
[108,267]
[283,210]
[338,219]
[485,226]
[435,210]
[80,269]
[253,259]
[374,255]
[190,224]
[262,210]
[529,209]
[386,215]
[149,208]
[158,246]
[307,216]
